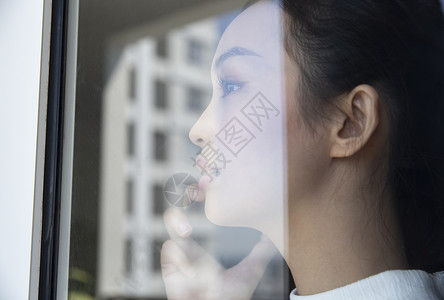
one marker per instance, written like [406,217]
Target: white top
[393,285]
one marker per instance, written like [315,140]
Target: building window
[195,52]
[132,84]
[128,256]
[162,47]
[131,139]
[195,98]
[160,146]
[156,246]
[161,94]
[129,196]
[158,199]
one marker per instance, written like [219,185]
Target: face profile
[245,124]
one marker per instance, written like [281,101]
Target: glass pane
[155,126]
[161,94]
[183,163]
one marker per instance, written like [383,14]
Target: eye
[228,87]
[231,87]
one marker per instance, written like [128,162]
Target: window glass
[195,51]
[128,256]
[129,196]
[195,99]
[144,79]
[158,200]
[161,94]
[162,47]
[132,83]
[131,139]
[160,146]
[205,152]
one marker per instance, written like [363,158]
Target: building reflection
[156,90]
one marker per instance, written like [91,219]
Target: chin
[218,216]
[219,212]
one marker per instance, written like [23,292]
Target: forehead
[258,28]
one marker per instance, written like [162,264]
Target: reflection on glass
[162,47]
[195,51]
[129,196]
[195,99]
[161,94]
[128,256]
[161,85]
[132,84]
[160,146]
[155,91]
[136,271]
[159,201]
[130,139]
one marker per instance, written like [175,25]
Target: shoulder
[394,284]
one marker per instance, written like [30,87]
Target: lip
[204,182]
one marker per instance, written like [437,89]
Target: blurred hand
[189,272]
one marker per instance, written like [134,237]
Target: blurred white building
[156,92]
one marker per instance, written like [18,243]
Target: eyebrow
[235,51]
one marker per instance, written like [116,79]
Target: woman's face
[243,131]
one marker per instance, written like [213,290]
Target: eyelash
[226,84]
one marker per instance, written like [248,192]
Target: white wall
[20,49]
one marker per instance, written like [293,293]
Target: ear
[356,122]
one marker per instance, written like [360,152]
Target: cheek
[251,189]
[308,161]
[307,151]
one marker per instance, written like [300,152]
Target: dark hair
[396,46]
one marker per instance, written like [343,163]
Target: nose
[203,130]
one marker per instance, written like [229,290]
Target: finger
[200,196]
[173,259]
[179,229]
[177,223]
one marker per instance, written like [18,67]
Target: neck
[339,236]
